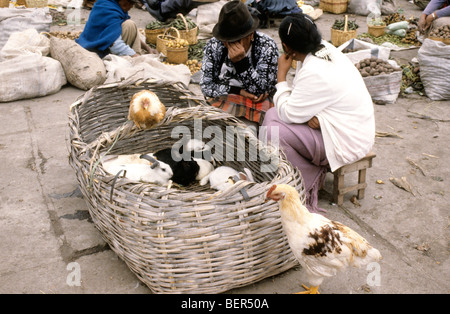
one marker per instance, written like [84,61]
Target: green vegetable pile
[411,78]
[156,25]
[340,25]
[177,23]
[394,39]
[195,52]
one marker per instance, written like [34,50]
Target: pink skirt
[305,149]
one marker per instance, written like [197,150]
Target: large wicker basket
[179,239]
[333,6]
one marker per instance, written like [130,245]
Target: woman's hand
[284,64]
[313,123]
[253,97]
[425,22]
[236,51]
[421,23]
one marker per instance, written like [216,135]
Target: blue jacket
[103,27]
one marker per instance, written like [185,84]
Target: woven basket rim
[173,115]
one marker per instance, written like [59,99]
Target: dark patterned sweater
[258,74]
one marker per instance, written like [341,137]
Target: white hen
[321,246]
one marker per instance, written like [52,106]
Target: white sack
[207,17]
[434,62]
[84,69]
[384,89]
[19,19]
[30,76]
[27,42]
[365,7]
[364,50]
[144,67]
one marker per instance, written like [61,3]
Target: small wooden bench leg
[338,184]
[361,179]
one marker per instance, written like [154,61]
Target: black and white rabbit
[186,169]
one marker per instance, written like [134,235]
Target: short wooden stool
[338,185]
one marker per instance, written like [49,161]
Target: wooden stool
[338,185]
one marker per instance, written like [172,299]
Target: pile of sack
[36,64]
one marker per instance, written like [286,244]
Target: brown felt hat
[235,22]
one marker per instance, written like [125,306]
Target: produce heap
[401,34]
[375,66]
[340,25]
[440,32]
[195,52]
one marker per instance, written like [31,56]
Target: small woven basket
[179,239]
[333,6]
[177,55]
[189,34]
[376,30]
[151,34]
[163,39]
[4,3]
[36,3]
[338,37]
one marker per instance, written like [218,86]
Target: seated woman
[326,119]
[436,14]
[239,65]
[110,30]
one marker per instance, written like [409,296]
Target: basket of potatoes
[177,51]
[163,39]
[441,34]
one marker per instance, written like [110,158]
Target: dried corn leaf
[402,183]
[387,134]
[415,164]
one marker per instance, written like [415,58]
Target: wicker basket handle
[345,24]
[176,30]
[184,20]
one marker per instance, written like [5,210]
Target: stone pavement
[48,242]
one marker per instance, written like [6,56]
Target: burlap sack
[83,69]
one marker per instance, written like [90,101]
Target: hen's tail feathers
[374,255]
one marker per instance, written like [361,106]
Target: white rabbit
[151,172]
[223,177]
[110,160]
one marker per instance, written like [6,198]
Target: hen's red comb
[271,190]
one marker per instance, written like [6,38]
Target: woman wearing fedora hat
[239,65]
[326,118]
